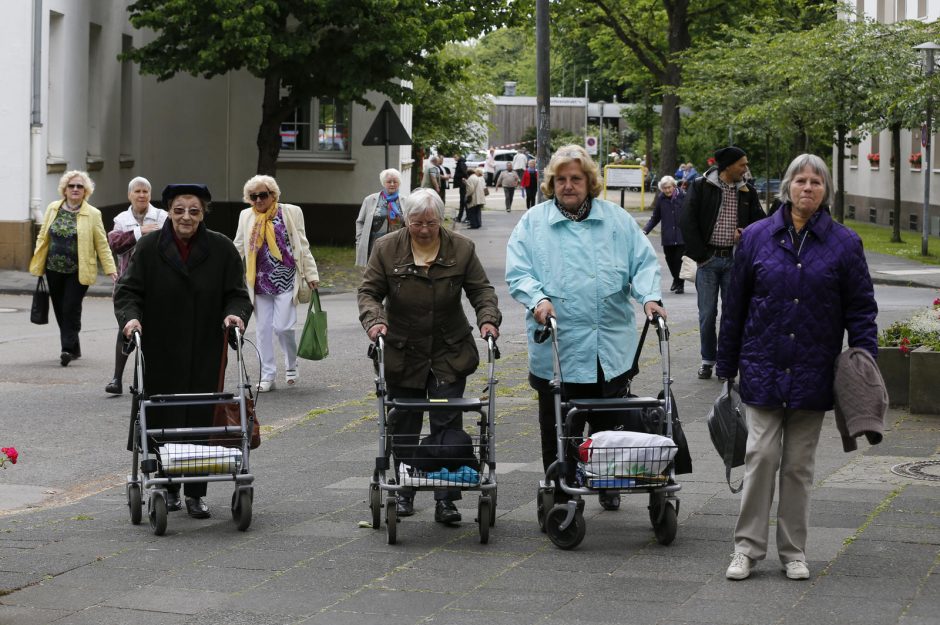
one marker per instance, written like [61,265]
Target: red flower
[936,302]
[10,453]
[710,161]
[904,346]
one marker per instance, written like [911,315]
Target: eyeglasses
[75,186]
[254,197]
[419,225]
[179,211]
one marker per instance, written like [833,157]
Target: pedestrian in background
[461,173]
[140,218]
[580,259]
[718,206]
[272,239]
[667,208]
[432,176]
[799,283]
[411,294]
[530,182]
[476,198]
[519,162]
[379,214]
[489,167]
[71,242]
[508,180]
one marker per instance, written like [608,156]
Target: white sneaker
[291,376]
[740,567]
[796,569]
[265,385]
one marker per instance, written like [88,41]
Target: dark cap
[728,156]
[173,190]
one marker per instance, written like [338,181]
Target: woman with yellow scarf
[272,240]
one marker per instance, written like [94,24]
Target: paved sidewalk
[874,538]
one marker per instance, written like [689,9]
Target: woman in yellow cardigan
[71,243]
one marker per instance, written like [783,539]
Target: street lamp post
[587,101]
[929,50]
[600,135]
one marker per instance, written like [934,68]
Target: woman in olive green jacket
[411,293]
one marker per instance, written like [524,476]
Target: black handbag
[39,312]
[728,429]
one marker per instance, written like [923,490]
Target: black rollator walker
[434,465]
[637,458]
[170,456]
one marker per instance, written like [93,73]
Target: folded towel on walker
[179,458]
[464,476]
[626,454]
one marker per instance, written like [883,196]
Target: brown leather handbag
[228,414]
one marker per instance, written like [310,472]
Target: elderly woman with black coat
[184,284]
[667,208]
[411,293]
[799,283]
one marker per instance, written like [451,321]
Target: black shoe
[680,290]
[405,506]
[446,512]
[674,286]
[114,387]
[197,508]
[609,501]
[705,372]
[173,502]
[65,358]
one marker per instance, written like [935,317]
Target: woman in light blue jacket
[580,259]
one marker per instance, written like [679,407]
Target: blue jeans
[710,278]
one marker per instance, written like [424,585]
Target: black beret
[172,190]
[728,156]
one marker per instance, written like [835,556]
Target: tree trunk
[679,41]
[839,208]
[896,210]
[269,133]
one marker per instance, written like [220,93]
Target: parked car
[478,159]
[762,184]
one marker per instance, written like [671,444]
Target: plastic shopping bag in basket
[626,454]
[180,458]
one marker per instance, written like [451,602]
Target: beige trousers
[783,439]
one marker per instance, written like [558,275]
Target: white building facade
[869,178]
[71,104]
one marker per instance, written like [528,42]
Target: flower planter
[924,389]
[896,370]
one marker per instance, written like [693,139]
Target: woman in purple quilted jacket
[799,283]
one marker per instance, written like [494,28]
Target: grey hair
[139,181]
[815,165]
[422,200]
[389,172]
[269,183]
[666,180]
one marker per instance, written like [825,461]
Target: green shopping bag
[313,343]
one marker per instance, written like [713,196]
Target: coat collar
[819,226]
[556,216]
[404,257]
[168,250]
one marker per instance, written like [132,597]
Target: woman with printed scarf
[379,214]
[272,239]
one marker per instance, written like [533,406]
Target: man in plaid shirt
[718,206]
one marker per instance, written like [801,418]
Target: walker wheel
[493,508]
[134,502]
[242,500]
[391,519]
[571,536]
[485,518]
[158,513]
[663,518]
[375,505]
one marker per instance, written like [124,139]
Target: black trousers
[530,194]
[407,427]
[66,294]
[673,255]
[462,190]
[475,215]
[617,387]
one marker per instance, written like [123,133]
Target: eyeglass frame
[263,195]
[180,211]
[420,225]
[74,185]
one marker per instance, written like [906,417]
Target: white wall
[15,74]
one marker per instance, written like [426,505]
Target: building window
[921,8]
[875,151]
[912,225]
[850,212]
[126,157]
[95,109]
[872,215]
[318,128]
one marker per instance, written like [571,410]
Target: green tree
[307,48]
